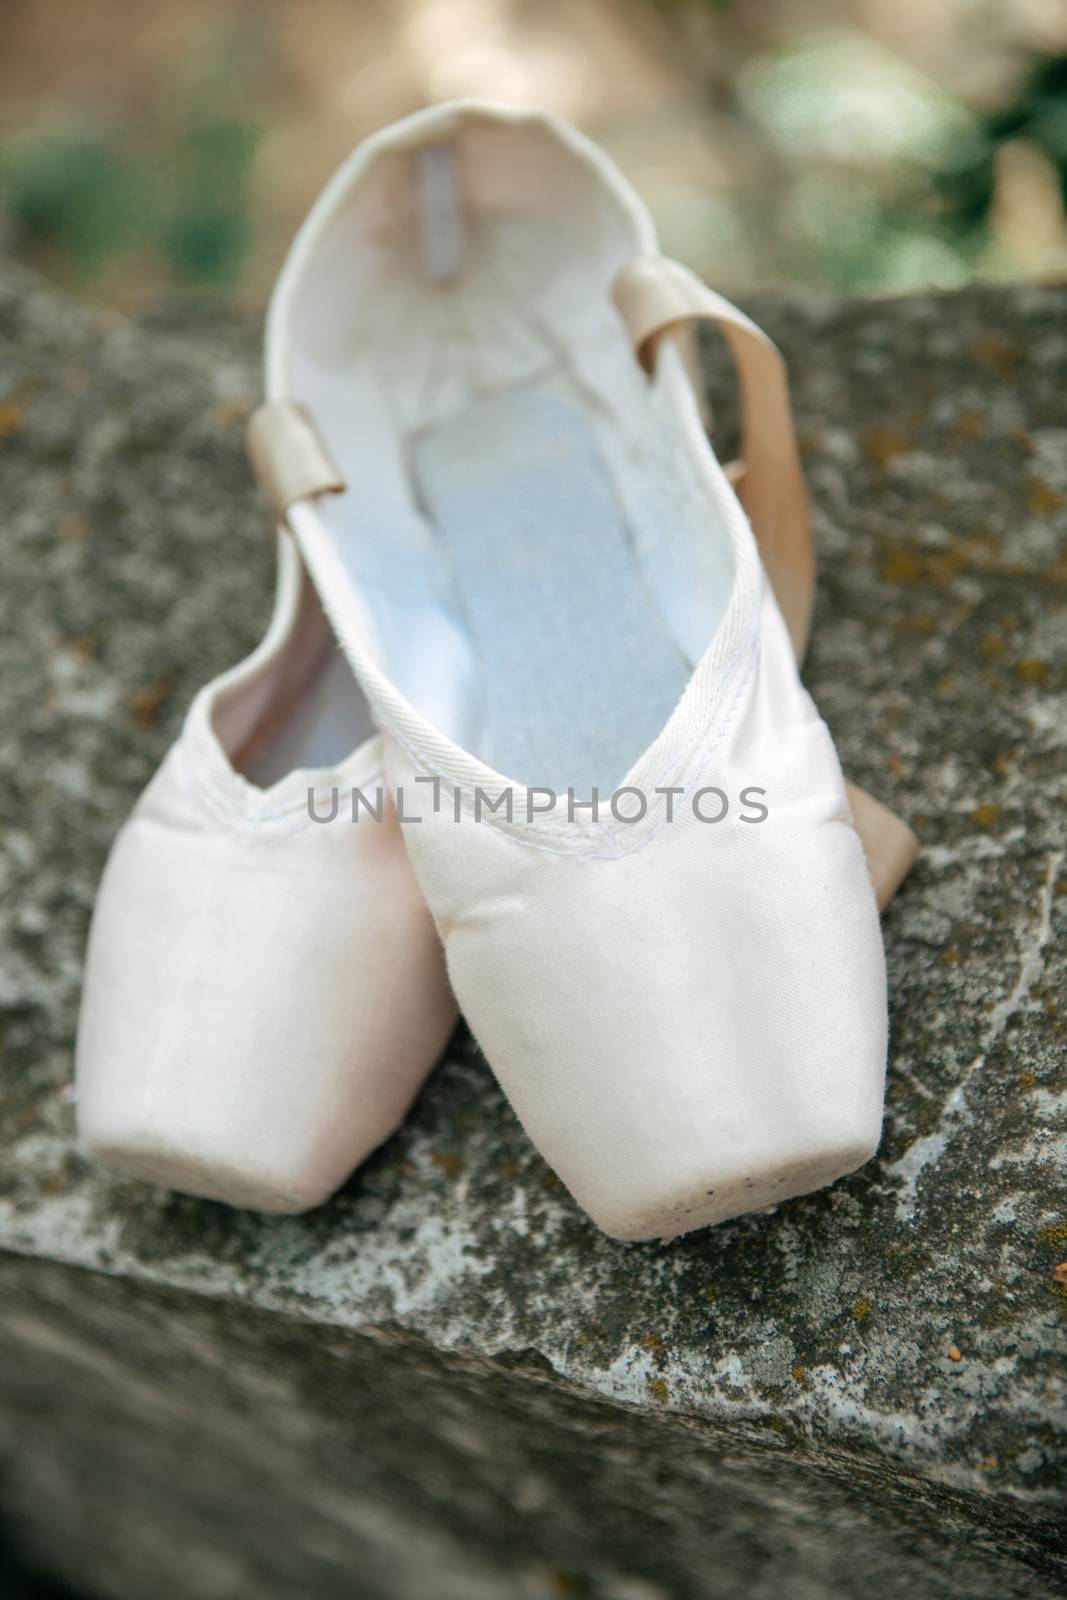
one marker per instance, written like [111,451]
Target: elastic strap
[658,297]
[289,456]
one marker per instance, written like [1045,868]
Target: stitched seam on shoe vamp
[260,827]
[557,835]
[322,562]
[533,835]
[527,836]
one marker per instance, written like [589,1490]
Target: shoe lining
[539,571]
[323,727]
[302,710]
[536,562]
[576,666]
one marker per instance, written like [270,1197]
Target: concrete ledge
[446,1378]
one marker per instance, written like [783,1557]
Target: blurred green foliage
[1037,113]
[84,192]
[834,161]
[81,195]
[888,181]
[204,230]
[72,191]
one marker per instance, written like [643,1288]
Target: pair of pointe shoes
[520,606]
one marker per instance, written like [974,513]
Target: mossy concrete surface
[446,1382]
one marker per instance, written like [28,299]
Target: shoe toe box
[258,1009]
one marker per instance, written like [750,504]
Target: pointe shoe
[264,991]
[623,808]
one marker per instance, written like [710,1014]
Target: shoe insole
[577,669]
